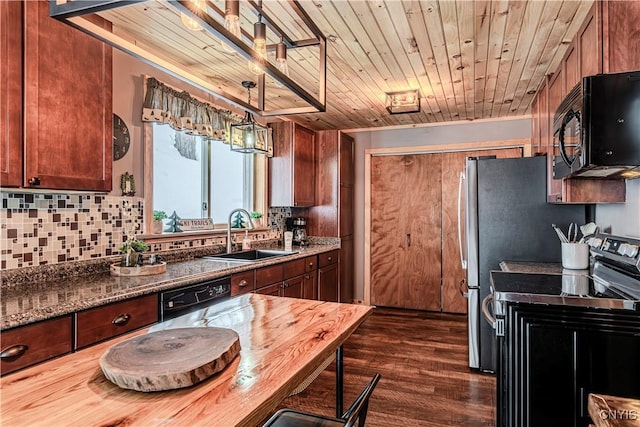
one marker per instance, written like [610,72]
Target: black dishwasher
[176,302]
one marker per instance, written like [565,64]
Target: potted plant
[256,218]
[131,251]
[158,216]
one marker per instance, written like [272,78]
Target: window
[197,178]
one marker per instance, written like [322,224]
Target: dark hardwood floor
[422,358]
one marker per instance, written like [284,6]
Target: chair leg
[363,417]
[339,382]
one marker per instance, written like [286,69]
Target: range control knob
[595,242]
[631,251]
[622,249]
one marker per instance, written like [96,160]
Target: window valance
[181,111]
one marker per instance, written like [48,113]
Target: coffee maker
[298,226]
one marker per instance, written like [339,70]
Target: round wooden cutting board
[169,359]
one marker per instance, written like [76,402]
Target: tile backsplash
[42,229]
[39,229]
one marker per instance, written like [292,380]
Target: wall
[622,219]
[445,133]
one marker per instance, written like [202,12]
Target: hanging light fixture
[232,21]
[281,60]
[259,46]
[248,136]
[189,22]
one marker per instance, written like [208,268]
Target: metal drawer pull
[310,264]
[329,258]
[121,319]
[14,351]
[243,283]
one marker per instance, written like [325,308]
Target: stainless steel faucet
[251,227]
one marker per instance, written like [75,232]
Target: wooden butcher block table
[282,340]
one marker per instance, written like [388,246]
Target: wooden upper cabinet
[68,105]
[292,168]
[621,33]
[571,67]
[11,93]
[589,44]
[543,113]
[347,145]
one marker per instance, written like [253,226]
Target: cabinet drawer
[310,264]
[102,323]
[294,268]
[241,283]
[327,258]
[269,275]
[40,341]
[273,290]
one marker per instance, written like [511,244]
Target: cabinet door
[571,67]
[273,290]
[346,210]
[35,343]
[292,288]
[304,149]
[310,286]
[11,93]
[590,44]
[346,147]
[554,188]
[621,34]
[292,169]
[346,269]
[328,283]
[535,125]
[68,112]
[543,111]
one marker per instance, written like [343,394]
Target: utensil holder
[575,256]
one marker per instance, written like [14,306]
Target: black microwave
[596,129]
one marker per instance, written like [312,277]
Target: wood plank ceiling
[469,59]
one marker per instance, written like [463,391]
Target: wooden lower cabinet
[273,290]
[292,288]
[31,344]
[328,283]
[346,269]
[310,286]
[242,283]
[101,323]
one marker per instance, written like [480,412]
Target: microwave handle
[563,153]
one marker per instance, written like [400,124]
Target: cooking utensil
[587,230]
[572,234]
[560,234]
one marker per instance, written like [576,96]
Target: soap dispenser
[246,243]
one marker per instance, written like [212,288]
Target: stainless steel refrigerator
[507,218]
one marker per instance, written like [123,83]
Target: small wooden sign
[196,224]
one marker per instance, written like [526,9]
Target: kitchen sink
[249,256]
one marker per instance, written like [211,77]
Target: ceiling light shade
[232,22]
[189,22]
[403,102]
[249,137]
[259,46]
[281,60]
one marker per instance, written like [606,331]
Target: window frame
[260,193]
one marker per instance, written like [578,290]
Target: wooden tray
[169,359]
[145,270]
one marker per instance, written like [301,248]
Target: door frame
[524,143]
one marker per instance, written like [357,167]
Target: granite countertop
[31,302]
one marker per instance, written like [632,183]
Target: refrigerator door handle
[485,310]
[463,262]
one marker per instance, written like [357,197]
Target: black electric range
[612,282]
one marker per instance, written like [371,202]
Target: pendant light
[259,46]
[281,60]
[248,136]
[189,22]
[232,21]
